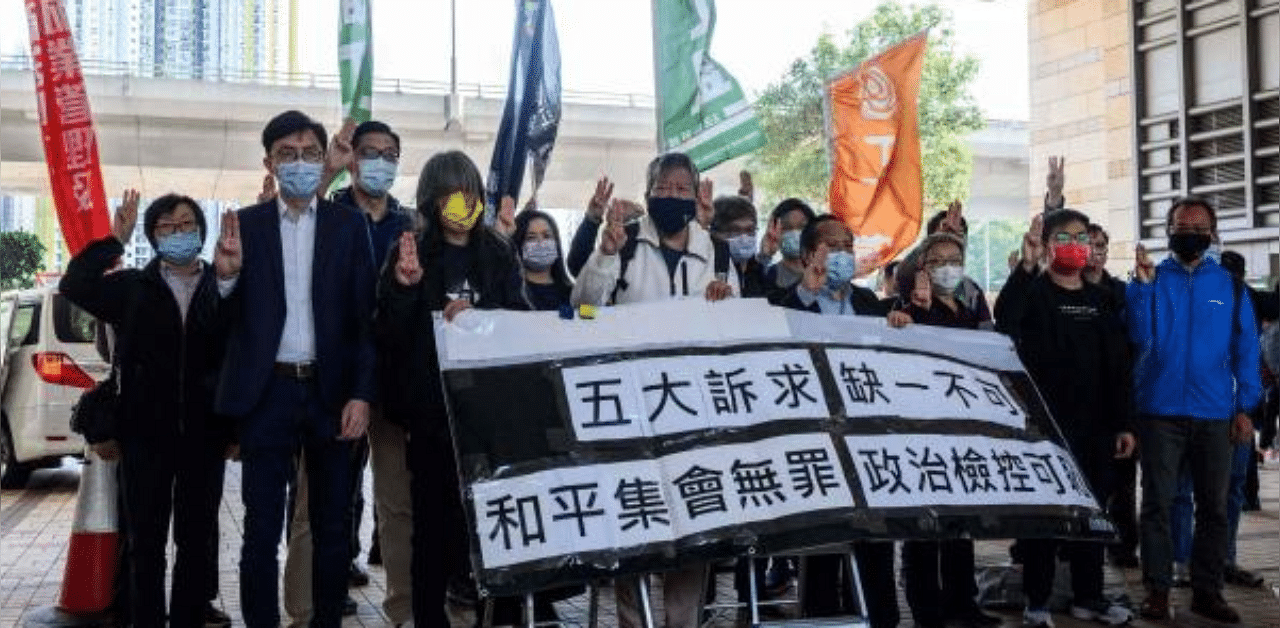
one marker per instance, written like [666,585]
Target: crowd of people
[305,350]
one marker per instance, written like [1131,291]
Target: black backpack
[720,259]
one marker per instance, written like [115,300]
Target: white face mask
[947,277]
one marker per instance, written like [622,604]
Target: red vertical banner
[70,144]
[876,182]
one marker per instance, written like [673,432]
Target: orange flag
[876,186]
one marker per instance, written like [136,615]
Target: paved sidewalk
[35,524]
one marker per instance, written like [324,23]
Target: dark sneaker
[357,577]
[349,607]
[1210,604]
[1241,577]
[973,617]
[1125,560]
[1156,606]
[213,616]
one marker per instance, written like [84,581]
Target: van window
[25,328]
[70,323]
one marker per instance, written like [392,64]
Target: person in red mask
[1071,338]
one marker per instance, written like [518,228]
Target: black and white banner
[662,433]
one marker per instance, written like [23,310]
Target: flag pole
[657,80]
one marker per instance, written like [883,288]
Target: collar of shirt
[284,209]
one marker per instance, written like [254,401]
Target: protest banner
[663,433]
[874,148]
[66,127]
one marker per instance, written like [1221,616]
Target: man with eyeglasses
[296,273]
[1196,379]
[1069,335]
[370,154]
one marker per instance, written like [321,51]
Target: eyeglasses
[390,155]
[170,228]
[939,263]
[310,154]
[1063,237]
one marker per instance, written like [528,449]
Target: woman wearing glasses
[169,347]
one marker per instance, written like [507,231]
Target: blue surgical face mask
[840,269]
[539,255]
[742,247]
[790,244]
[180,248]
[298,179]
[377,175]
[670,215]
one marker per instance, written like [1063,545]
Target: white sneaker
[1103,612]
[1036,619]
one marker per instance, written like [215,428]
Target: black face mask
[670,215]
[1188,246]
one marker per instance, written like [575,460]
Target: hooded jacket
[647,277]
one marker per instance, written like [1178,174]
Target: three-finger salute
[228,257]
[408,269]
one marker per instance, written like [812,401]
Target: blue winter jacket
[1191,361]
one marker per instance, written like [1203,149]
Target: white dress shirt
[297,244]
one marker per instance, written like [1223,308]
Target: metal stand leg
[486,615]
[593,605]
[528,610]
[754,599]
[646,609]
[856,578]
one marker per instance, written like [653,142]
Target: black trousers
[178,481]
[939,580]
[439,524]
[1122,506]
[828,589]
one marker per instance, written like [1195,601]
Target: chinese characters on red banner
[66,126]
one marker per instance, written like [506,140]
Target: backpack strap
[721,257]
[625,254]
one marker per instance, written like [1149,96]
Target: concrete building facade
[1151,100]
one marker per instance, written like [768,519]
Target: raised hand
[922,292]
[126,217]
[1054,180]
[340,153]
[228,256]
[953,222]
[268,189]
[599,200]
[615,233]
[1144,269]
[746,187]
[408,270]
[705,209]
[772,239]
[815,270]
[506,223]
[1033,244]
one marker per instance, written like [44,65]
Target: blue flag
[532,113]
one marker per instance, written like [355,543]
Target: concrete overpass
[202,137]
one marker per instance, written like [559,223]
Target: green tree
[21,257]
[794,160]
[988,248]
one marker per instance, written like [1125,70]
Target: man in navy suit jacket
[297,275]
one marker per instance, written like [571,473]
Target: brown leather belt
[301,371]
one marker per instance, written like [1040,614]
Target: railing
[313,80]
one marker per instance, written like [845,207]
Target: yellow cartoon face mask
[457,213]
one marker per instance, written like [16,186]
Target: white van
[49,360]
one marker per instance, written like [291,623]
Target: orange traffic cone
[89,577]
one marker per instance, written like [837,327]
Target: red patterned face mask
[1069,258]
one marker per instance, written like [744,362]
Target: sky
[606,45]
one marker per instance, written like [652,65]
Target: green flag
[355,58]
[701,109]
